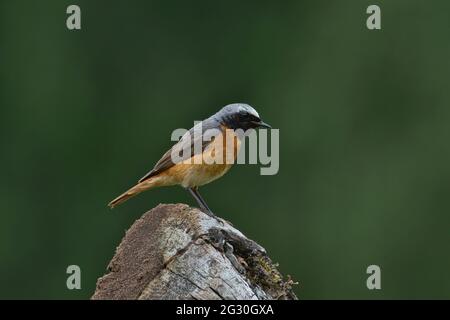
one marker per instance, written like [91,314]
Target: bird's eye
[246,116]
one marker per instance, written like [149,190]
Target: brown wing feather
[166,160]
[163,164]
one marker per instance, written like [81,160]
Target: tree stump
[177,252]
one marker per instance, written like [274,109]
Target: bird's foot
[212,215]
[226,221]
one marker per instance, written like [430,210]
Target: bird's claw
[223,222]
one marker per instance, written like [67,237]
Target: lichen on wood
[178,252]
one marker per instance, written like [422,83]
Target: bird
[196,168]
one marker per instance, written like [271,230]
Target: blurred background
[364,135]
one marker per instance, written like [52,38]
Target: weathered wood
[178,252]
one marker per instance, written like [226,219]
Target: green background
[364,135]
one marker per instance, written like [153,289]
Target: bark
[178,252]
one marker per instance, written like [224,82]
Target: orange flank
[196,171]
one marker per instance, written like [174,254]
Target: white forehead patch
[249,110]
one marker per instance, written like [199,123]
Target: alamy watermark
[227,146]
[374,20]
[74,279]
[73,21]
[374,280]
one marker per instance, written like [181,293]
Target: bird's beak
[262,124]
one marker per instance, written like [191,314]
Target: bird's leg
[204,207]
[201,202]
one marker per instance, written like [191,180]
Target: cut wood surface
[178,252]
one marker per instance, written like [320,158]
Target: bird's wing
[187,141]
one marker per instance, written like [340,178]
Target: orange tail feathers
[142,186]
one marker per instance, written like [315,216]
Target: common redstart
[198,151]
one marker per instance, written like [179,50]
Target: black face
[246,120]
[240,116]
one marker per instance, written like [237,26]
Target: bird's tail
[142,186]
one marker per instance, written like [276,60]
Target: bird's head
[240,116]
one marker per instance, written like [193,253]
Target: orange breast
[214,162]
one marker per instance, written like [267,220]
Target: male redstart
[197,165]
